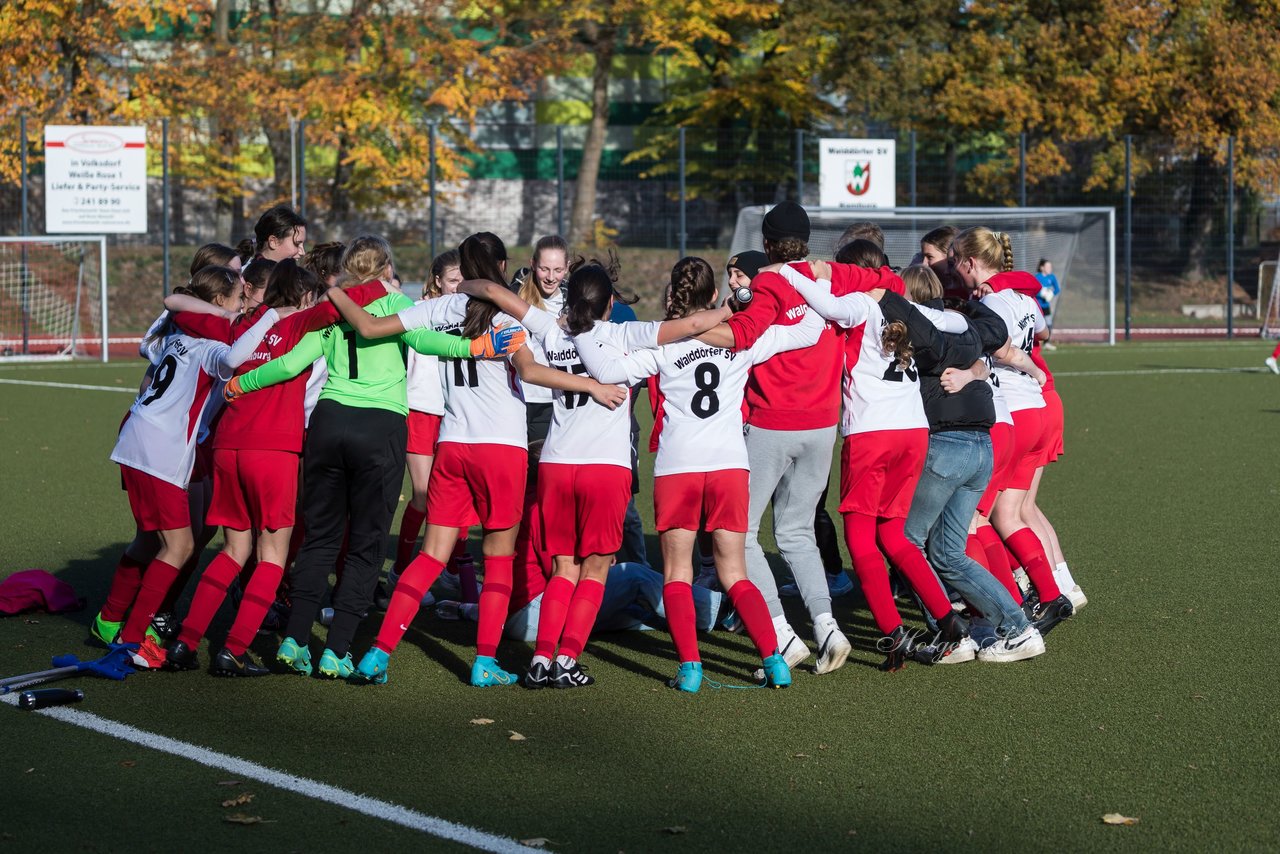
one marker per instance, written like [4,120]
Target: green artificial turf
[1158,701]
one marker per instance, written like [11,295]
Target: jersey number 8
[707,378]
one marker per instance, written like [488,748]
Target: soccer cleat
[832,652]
[537,676]
[332,667]
[958,653]
[382,596]
[1270,362]
[1030,602]
[776,673]
[165,626]
[688,678]
[897,648]
[276,619]
[1077,597]
[731,621]
[486,673]
[294,656]
[573,676]
[149,655]
[326,616]
[226,664]
[373,667]
[1028,644]
[105,630]
[952,628]
[1049,614]
[792,650]
[179,656]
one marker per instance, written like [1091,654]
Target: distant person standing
[1047,298]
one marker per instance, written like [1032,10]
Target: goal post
[1079,241]
[53,297]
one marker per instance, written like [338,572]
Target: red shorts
[1029,441]
[1002,454]
[424,433]
[157,505]
[203,467]
[702,500]
[582,508]
[477,484]
[1054,425]
[879,471]
[254,490]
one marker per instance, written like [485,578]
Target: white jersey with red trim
[552,305]
[582,431]
[483,399]
[878,394]
[1023,319]
[424,384]
[159,436]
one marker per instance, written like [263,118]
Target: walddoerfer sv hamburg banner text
[857,173]
[95,179]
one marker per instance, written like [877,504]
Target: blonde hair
[991,248]
[922,283]
[365,259]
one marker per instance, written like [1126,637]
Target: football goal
[53,297]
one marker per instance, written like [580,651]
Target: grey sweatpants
[789,467]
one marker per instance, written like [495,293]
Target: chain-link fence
[1190,215]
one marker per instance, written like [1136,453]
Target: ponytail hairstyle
[365,259]
[990,248]
[940,238]
[481,256]
[246,249]
[279,222]
[923,285]
[529,290]
[212,255]
[257,274]
[693,287]
[894,341]
[324,261]
[445,260]
[209,284]
[587,300]
[862,253]
[289,284]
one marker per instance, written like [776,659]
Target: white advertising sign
[857,173]
[95,179]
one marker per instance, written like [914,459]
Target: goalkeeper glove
[498,341]
[232,390]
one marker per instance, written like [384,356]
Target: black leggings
[824,531]
[353,470]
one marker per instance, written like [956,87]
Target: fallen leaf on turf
[481,721]
[33,622]
[238,801]
[676,830]
[230,783]
[1197,696]
[799,756]
[535,842]
[1117,818]
[128,763]
[515,736]
[241,818]
[29,770]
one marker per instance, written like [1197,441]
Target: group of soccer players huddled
[288,389]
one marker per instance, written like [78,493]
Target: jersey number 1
[574,399]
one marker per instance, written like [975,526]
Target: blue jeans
[955,475]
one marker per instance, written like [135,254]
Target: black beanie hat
[785,219]
[749,262]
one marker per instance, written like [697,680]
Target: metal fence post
[1022,169]
[1128,237]
[684,237]
[164,199]
[911,186]
[26,229]
[302,168]
[560,180]
[22,154]
[1231,233]
[800,166]
[431,183]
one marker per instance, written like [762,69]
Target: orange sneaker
[149,655]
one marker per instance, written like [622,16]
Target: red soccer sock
[410,526]
[996,562]
[1026,545]
[750,605]
[155,583]
[210,592]
[125,582]
[406,599]
[860,535]
[494,599]
[552,615]
[254,604]
[1014,562]
[907,558]
[170,603]
[682,619]
[1275,354]
[583,609]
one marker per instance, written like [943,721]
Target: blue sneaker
[776,672]
[297,658]
[373,667]
[688,677]
[732,621]
[332,667]
[486,673]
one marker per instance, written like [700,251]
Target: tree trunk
[281,162]
[340,195]
[582,222]
[1197,224]
[953,175]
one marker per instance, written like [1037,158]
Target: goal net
[53,293]
[1080,242]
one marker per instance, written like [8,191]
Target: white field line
[1143,372]
[126,390]
[316,790]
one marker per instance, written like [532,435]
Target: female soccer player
[543,288]
[354,458]
[156,452]
[278,234]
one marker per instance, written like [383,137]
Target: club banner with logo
[857,173]
[95,179]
